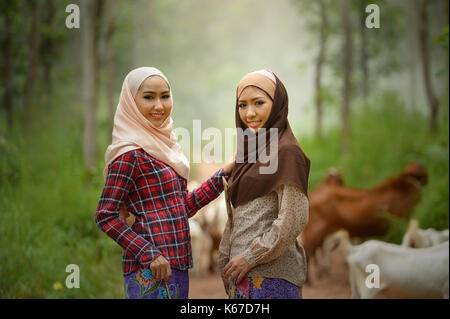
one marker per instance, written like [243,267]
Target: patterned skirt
[141,284]
[264,288]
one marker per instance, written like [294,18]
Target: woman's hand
[229,165]
[236,269]
[126,216]
[160,268]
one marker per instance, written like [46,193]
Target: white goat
[420,238]
[403,272]
[414,237]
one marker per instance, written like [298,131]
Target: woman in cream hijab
[147,172]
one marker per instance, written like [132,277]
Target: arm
[119,182]
[208,191]
[292,219]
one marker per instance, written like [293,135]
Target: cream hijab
[132,130]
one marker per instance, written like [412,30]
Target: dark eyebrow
[155,92]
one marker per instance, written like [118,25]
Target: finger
[234,275]
[240,277]
[227,267]
[157,273]
[227,272]
[162,272]
[167,274]
[130,220]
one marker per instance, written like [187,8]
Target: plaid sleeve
[208,191]
[119,182]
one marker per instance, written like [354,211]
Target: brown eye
[242,105]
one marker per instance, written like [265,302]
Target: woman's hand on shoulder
[230,165]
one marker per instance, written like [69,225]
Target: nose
[159,105]
[250,112]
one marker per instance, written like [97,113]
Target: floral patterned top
[266,230]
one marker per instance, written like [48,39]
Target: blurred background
[366,101]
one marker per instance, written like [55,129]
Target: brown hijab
[246,182]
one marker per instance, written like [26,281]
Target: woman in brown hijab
[260,255]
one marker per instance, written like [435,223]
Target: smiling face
[254,107]
[153,100]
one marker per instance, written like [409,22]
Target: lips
[254,123]
[157,116]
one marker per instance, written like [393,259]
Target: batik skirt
[264,288]
[141,284]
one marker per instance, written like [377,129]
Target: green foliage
[47,217]
[9,163]
[442,39]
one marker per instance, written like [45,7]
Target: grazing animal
[403,272]
[420,238]
[414,237]
[333,206]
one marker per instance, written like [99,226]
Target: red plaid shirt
[161,203]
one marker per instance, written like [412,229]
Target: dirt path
[333,287]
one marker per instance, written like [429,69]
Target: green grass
[48,200]
[47,217]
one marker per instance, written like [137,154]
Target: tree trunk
[319,64]
[425,56]
[364,55]
[347,71]
[7,61]
[48,45]
[110,67]
[90,81]
[33,49]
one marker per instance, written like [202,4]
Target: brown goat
[332,206]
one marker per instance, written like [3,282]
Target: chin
[157,123]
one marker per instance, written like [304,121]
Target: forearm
[207,192]
[109,222]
